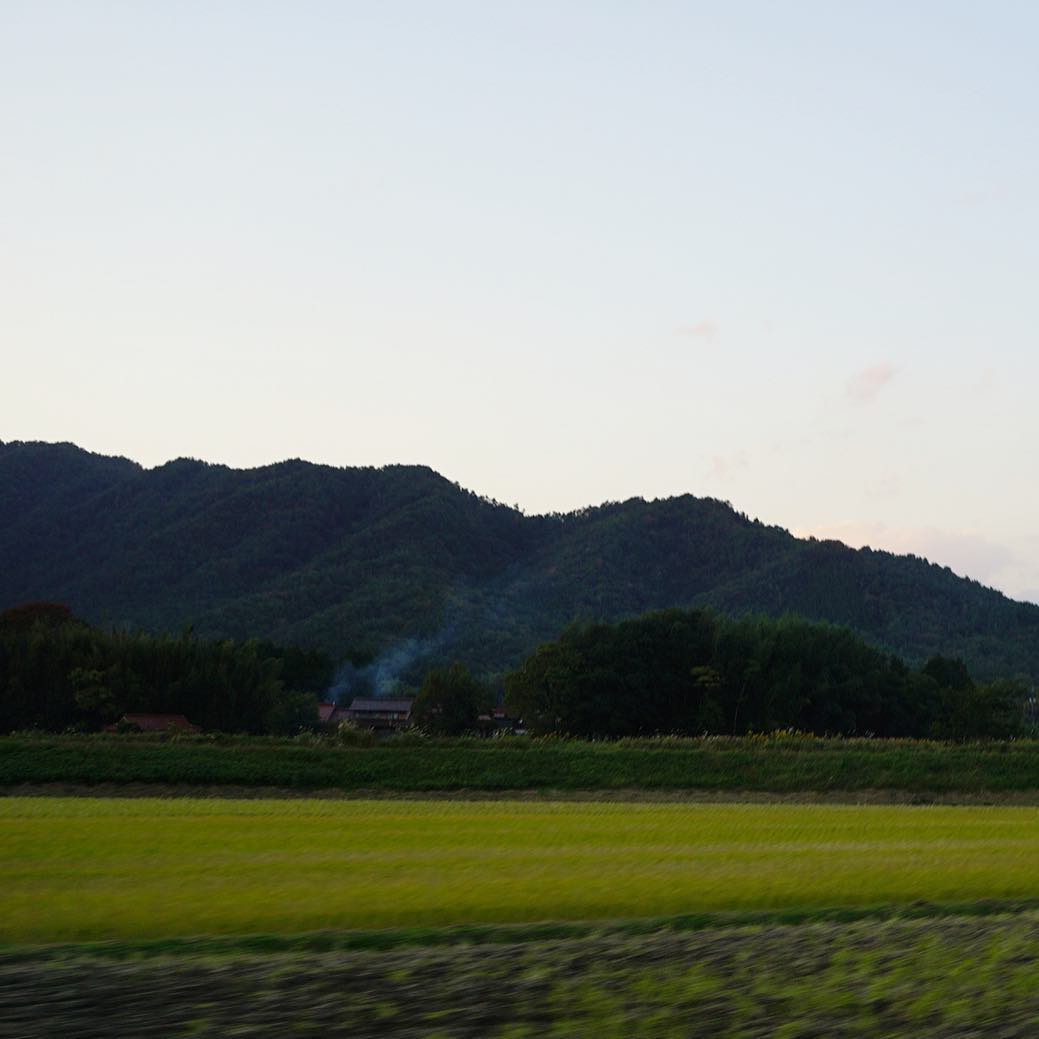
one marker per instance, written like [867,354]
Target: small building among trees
[153,723]
[380,714]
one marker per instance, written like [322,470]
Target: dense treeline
[697,672]
[57,673]
[682,672]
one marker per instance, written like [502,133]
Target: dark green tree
[450,701]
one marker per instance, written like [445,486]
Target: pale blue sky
[780,254]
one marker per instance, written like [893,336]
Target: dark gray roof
[380,703]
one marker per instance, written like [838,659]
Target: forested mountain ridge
[363,559]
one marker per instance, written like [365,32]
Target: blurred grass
[84,869]
[957,977]
[385,939]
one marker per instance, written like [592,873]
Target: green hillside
[350,560]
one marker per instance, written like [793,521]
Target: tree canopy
[696,671]
[450,701]
[56,672]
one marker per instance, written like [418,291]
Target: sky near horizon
[784,255]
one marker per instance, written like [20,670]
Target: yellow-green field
[83,869]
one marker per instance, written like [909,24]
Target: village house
[153,723]
[382,715]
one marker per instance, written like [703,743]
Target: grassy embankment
[772,764]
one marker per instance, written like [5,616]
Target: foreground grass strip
[82,869]
[503,934]
[778,765]
[958,977]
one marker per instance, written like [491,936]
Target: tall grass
[778,764]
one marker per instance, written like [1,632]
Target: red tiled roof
[158,722]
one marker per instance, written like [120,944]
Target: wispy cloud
[886,486]
[706,330]
[984,383]
[864,387]
[974,198]
[724,466]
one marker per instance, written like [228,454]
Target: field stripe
[84,869]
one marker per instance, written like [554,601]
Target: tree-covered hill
[400,558]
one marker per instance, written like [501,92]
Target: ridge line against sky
[942,548]
[567,252]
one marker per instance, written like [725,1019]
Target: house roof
[325,711]
[159,722]
[381,704]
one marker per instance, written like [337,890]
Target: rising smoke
[383,676]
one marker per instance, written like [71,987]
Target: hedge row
[718,764]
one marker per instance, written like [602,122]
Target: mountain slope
[345,559]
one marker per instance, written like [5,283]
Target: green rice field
[86,869]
